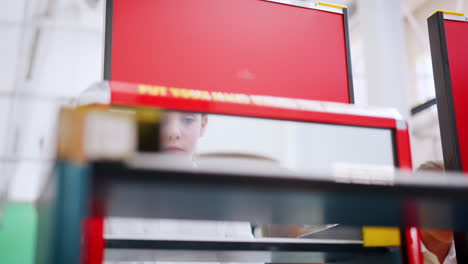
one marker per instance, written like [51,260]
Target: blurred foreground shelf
[108,189]
[279,198]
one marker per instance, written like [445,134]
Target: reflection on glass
[295,146]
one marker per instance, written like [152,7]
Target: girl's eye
[188,120]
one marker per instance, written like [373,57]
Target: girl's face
[180,131]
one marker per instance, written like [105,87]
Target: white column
[383,35]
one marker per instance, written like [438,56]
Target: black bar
[461,246]
[404,247]
[419,108]
[348,56]
[242,246]
[108,40]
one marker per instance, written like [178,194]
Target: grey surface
[119,255]
[337,232]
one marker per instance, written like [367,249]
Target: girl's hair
[432,165]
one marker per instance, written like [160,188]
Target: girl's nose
[173,131]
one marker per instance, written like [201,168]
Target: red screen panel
[241,46]
[457,49]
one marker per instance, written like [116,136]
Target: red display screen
[457,48]
[239,46]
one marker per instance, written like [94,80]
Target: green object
[18,233]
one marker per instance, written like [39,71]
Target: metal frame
[310,5]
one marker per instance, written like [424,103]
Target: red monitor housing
[449,47]
[448,34]
[278,48]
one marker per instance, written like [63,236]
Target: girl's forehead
[181,113]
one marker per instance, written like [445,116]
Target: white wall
[323,147]
[262,137]
[51,51]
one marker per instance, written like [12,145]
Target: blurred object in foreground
[112,133]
